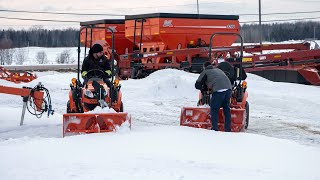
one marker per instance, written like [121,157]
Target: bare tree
[41,57]
[20,56]
[9,56]
[6,56]
[65,57]
[2,56]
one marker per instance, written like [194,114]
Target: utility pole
[260,27]
[198,7]
[314,33]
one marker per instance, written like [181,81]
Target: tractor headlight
[88,93]
[74,82]
[116,82]
[244,84]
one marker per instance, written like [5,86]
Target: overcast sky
[122,7]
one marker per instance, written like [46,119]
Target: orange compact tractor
[82,116]
[199,117]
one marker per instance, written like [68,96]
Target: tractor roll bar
[112,50]
[241,48]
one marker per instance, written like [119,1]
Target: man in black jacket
[96,60]
[216,81]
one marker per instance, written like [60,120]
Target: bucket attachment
[199,117]
[80,123]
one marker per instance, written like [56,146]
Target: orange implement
[16,77]
[80,123]
[200,118]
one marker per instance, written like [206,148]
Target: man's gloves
[84,73]
[108,72]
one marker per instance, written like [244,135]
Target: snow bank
[158,153]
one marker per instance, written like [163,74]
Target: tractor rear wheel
[68,107]
[134,72]
[247,115]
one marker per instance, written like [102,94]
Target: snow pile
[167,83]
[98,109]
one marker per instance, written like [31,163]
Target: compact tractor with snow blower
[199,117]
[82,114]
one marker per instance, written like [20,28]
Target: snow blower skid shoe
[81,123]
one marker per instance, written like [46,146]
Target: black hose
[34,108]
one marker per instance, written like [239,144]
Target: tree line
[278,32]
[40,37]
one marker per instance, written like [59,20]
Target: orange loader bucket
[199,117]
[80,123]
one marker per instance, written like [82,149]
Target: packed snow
[282,141]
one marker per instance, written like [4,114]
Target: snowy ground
[282,141]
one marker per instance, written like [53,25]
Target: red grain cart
[158,32]
[91,36]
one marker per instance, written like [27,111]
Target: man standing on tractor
[96,60]
[217,82]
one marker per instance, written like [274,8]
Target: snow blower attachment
[93,106]
[82,114]
[199,117]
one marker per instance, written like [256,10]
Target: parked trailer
[149,42]
[158,32]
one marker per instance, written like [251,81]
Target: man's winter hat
[96,48]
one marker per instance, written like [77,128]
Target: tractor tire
[121,107]
[134,72]
[247,115]
[68,107]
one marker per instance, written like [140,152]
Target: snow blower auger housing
[199,117]
[84,97]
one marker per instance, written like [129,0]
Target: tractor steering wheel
[95,73]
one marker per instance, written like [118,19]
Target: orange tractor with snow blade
[199,117]
[82,115]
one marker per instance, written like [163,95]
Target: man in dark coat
[97,60]
[219,84]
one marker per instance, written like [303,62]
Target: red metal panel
[311,74]
[200,117]
[175,31]
[98,35]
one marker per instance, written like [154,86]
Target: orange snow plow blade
[79,123]
[199,117]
